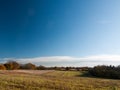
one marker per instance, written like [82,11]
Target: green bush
[106,71]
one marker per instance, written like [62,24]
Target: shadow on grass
[84,74]
[87,74]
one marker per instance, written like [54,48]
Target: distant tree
[106,71]
[8,66]
[67,68]
[12,65]
[77,69]
[41,67]
[29,66]
[2,67]
[15,64]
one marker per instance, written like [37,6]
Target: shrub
[2,67]
[12,65]
[41,67]
[29,66]
[106,71]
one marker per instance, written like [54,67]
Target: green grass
[56,80]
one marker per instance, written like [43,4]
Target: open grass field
[53,80]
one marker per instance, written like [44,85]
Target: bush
[41,67]
[2,67]
[12,65]
[106,71]
[28,66]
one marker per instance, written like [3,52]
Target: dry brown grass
[37,72]
[53,80]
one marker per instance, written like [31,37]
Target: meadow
[53,80]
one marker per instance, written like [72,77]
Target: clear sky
[62,28]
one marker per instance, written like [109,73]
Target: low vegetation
[53,80]
[2,67]
[13,65]
[106,71]
[16,76]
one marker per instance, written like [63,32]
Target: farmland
[53,80]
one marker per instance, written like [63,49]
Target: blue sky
[50,28]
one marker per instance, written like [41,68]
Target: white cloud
[103,58]
[68,60]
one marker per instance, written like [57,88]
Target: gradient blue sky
[76,28]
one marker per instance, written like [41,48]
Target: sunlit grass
[57,80]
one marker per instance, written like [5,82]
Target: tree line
[13,65]
[105,71]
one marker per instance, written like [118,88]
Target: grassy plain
[53,80]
